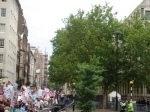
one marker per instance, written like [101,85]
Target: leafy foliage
[88,85]
[89,36]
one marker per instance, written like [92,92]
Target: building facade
[8,38]
[23,49]
[144,8]
[32,69]
[39,65]
[18,61]
[45,57]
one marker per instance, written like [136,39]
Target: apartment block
[8,38]
[143,8]
[18,60]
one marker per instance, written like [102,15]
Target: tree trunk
[105,96]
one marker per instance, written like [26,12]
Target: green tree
[135,59]
[88,85]
[84,36]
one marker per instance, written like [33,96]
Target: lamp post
[131,83]
[117,33]
[73,106]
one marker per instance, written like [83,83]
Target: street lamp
[131,83]
[117,34]
[73,106]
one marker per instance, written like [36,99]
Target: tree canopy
[90,35]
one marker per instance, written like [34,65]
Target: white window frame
[2,28]
[1,43]
[1,58]
[3,12]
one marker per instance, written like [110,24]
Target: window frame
[1,58]
[1,43]
[1,72]
[3,12]
[2,29]
[147,14]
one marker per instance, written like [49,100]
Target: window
[2,28]
[3,12]
[1,58]
[142,12]
[1,72]
[147,15]
[1,43]
[3,0]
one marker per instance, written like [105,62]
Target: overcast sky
[44,17]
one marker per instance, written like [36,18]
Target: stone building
[32,69]
[38,66]
[45,57]
[23,49]
[9,10]
[18,60]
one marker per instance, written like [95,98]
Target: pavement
[77,110]
[97,110]
[70,109]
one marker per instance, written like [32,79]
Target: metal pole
[131,93]
[73,107]
[131,83]
[117,71]
[117,33]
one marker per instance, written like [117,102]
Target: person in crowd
[123,106]
[130,106]
[138,104]
[143,102]
[45,103]
[62,94]
[65,100]
[148,104]
[31,107]
[7,105]
[41,103]
[37,103]
[22,108]
[2,106]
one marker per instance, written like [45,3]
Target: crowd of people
[126,106]
[143,102]
[141,105]
[27,99]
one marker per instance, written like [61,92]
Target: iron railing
[69,106]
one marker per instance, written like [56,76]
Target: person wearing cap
[130,107]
